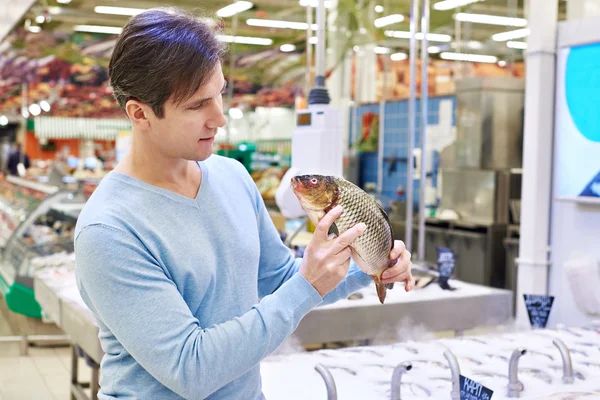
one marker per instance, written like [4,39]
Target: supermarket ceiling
[476,29]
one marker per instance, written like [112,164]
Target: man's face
[187,130]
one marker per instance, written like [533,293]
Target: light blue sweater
[190,294]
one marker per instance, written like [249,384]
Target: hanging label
[446,264]
[538,308]
[471,390]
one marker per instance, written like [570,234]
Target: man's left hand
[401,270]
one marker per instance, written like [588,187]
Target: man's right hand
[326,262]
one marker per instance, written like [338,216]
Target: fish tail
[381,291]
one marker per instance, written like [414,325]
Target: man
[15,159]
[176,254]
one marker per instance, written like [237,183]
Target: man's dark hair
[163,53]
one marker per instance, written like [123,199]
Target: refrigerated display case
[35,220]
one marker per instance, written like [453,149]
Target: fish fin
[381,292]
[333,230]
[389,224]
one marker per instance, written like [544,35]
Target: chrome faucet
[514,386]
[455,371]
[397,378]
[566,359]
[329,382]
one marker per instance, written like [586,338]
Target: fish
[319,194]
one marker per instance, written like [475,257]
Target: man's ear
[138,113]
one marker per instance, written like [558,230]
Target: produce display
[366,372]
[268,181]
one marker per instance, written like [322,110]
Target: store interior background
[498,160]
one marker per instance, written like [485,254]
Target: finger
[398,249]
[399,268]
[403,277]
[410,284]
[346,238]
[342,256]
[322,228]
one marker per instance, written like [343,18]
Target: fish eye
[313,181]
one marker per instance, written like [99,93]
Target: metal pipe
[568,377]
[455,371]
[381,137]
[329,381]
[309,52]
[424,112]
[514,386]
[397,378]
[320,72]
[414,19]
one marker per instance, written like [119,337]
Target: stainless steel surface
[46,296]
[471,193]
[82,329]
[329,381]
[424,118]
[489,122]
[412,108]
[397,378]
[381,137]
[514,386]
[320,61]
[568,377]
[455,373]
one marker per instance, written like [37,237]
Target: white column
[540,64]
[578,9]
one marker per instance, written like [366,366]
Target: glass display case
[36,220]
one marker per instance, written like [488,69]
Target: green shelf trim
[21,300]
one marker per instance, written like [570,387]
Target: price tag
[471,390]
[446,265]
[538,308]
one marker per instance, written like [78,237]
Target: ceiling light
[286,48]
[118,10]
[24,112]
[468,57]
[490,19]
[40,19]
[381,50]
[245,40]
[63,1]
[378,9]
[434,37]
[398,56]
[510,35]
[516,45]
[235,8]
[389,20]
[3,120]
[35,109]
[450,4]
[271,23]
[356,49]
[434,49]
[314,3]
[115,30]
[236,113]
[45,105]
[502,63]
[313,40]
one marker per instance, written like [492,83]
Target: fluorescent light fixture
[35,109]
[381,50]
[245,40]
[45,105]
[3,120]
[286,48]
[114,30]
[24,112]
[378,9]
[40,19]
[502,63]
[35,29]
[271,23]
[235,8]
[63,1]
[491,19]
[389,20]
[433,37]
[314,3]
[313,40]
[450,4]
[510,35]
[236,113]
[468,57]
[118,10]
[398,56]
[356,49]
[434,49]
[516,45]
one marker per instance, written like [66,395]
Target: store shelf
[40,187]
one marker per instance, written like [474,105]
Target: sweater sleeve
[133,296]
